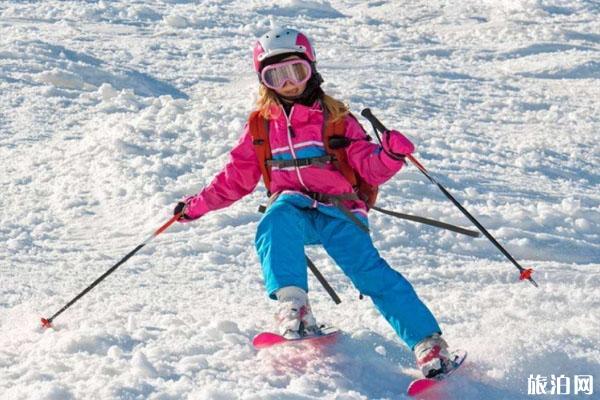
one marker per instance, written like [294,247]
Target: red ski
[269,339]
[420,386]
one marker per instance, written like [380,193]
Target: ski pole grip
[372,119]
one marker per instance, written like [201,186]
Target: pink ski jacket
[300,136]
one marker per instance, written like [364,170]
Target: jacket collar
[302,113]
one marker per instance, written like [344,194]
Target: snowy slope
[111,111]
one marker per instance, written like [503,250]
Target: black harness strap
[336,200]
[302,162]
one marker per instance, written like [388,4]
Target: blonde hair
[268,105]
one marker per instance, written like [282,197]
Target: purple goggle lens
[275,76]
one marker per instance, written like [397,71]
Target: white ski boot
[294,316]
[432,356]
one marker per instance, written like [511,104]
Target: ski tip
[267,339]
[419,386]
[46,323]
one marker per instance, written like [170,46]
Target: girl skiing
[312,201]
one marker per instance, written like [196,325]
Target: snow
[112,111]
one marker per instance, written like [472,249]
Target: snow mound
[62,68]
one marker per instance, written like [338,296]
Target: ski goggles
[296,71]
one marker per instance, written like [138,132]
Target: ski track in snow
[112,111]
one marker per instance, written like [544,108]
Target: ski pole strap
[301,162]
[350,214]
[427,221]
[336,200]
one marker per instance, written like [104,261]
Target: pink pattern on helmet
[302,40]
[258,50]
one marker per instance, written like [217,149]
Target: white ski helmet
[281,41]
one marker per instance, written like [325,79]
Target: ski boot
[432,356]
[294,316]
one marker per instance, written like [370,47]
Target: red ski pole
[525,273]
[47,322]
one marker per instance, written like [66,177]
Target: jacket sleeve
[367,158]
[237,179]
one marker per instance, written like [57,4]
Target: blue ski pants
[291,222]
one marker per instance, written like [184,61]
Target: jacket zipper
[289,137]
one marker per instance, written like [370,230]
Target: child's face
[290,89]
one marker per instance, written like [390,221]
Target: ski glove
[397,144]
[180,208]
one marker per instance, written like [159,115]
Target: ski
[268,339]
[421,385]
